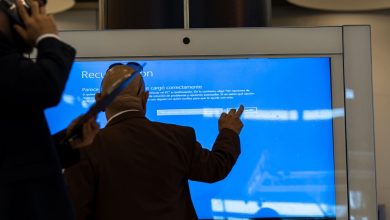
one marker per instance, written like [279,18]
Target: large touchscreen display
[286,166]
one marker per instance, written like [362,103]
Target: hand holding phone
[10,8]
[30,19]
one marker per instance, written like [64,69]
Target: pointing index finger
[240,111]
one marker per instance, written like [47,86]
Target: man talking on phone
[31,182]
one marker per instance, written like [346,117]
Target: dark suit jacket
[138,169]
[31,183]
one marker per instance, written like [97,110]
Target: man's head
[10,8]
[7,31]
[9,17]
[132,97]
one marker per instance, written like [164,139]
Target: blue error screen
[286,166]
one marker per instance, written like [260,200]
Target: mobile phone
[9,7]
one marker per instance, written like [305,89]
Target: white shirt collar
[120,113]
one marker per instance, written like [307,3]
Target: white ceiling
[343,5]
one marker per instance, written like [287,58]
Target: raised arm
[215,165]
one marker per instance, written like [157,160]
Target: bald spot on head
[131,96]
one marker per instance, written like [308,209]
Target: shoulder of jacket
[173,126]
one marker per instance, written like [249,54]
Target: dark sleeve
[67,155]
[211,166]
[38,84]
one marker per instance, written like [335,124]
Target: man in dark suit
[31,182]
[139,169]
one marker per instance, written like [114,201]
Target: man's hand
[36,24]
[90,129]
[231,120]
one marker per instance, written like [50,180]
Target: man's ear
[98,96]
[145,97]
